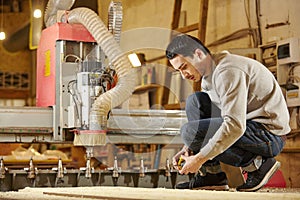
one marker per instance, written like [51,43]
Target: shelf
[144,88]
[14,94]
[176,106]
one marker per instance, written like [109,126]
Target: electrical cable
[253,32]
[75,98]
[73,55]
[233,36]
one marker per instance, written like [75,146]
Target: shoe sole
[265,180]
[213,187]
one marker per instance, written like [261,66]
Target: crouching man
[239,118]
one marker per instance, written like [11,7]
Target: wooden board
[131,193]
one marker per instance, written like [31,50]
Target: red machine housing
[47,58]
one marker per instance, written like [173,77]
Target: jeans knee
[184,132]
[194,99]
[196,96]
[186,135]
[190,101]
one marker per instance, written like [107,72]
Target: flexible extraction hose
[126,75]
[115,18]
[52,7]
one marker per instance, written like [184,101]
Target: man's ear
[199,54]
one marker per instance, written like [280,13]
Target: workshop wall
[278,20]
[16,66]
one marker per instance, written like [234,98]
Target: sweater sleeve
[231,86]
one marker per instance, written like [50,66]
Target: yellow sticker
[47,71]
[293,94]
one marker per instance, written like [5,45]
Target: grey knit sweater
[243,89]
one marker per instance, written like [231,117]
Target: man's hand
[192,163]
[185,151]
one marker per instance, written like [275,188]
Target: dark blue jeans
[204,119]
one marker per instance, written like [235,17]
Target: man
[239,118]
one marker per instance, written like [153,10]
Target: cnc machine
[82,75]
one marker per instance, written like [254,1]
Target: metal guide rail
[36,175]
[16,179]
[35,124]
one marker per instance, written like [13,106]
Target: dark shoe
[207,182]
[260,177]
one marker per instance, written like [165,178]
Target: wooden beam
[203,20]
[176,14]
[201,32]
[189,28]
[174,25]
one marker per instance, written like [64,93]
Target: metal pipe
[142,169]
[60,170]
[31,170]
[2,169]
[115,173]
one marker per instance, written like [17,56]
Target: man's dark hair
[184,45]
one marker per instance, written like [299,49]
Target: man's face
[190,68]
